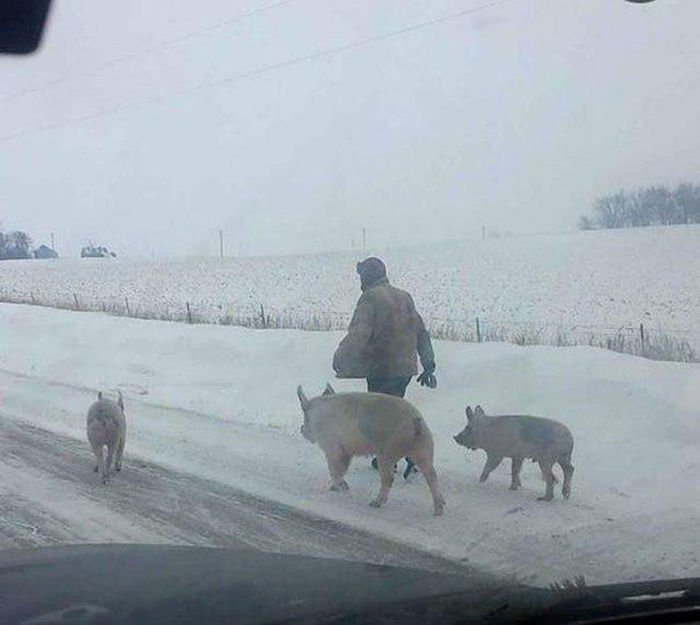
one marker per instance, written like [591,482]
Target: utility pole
[221,243]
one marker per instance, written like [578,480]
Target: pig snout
[462,440]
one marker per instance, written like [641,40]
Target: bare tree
[609,211]
[687,198]
[658,206]
[15,245]
[655,205]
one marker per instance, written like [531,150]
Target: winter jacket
[384,335]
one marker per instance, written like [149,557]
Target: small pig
[518,437]
[106,425]
[359,424]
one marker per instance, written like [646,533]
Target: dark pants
[397,388]
[388,386]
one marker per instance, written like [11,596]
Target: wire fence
[644,339]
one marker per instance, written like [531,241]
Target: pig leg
[568,468]
[386,477]
[516,465]
[546,468]
[544,477]
[108,463]
[338,463]
[120,453]
[491,463]
[99,454]
[428,470]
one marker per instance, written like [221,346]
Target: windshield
[410,283]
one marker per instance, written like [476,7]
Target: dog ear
[469,413]
[99,394]
[479,411]
[303,399]
[329,390]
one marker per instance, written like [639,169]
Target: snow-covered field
[581,284]
[219,402]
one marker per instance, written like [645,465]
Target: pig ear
[469,413]
[329,390]
[303,399]
[479,411]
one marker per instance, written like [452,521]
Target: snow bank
[220,402]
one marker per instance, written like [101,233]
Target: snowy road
[49,495]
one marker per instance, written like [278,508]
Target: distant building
[91,251]
[44,251]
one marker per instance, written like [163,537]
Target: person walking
[384,336]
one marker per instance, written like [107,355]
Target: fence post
[262,317]
[32,296]
[478,331]
[75,297]
[128,312]
[189,312]
[641,336]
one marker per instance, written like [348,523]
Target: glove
[427,378]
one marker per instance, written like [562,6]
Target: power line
[148,50]
[329,51]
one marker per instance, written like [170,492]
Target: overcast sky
[142,125]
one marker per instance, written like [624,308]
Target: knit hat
[371,270]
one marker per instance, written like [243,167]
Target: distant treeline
[650,206]
[15,244]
